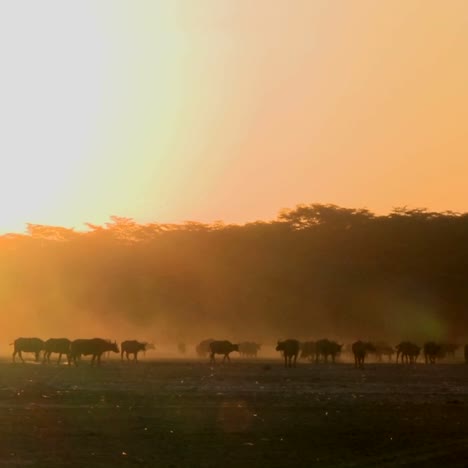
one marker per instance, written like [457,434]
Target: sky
[206,110]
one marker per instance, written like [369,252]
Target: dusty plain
[251,413]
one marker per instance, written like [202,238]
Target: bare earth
[177,413]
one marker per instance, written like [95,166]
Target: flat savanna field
[186,413]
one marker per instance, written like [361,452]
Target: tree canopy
[316,270]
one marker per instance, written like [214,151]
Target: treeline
[316,270]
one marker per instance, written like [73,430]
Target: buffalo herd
[323,350]
[326,350]
[94,347]
[406,351]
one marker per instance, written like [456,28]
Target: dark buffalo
[95,347]
[27,345]
[325,348]
[290,349]
[222,347]
[433,351]
[249,349]
[308,350]
[132,347]
[408,352]
[57,345]
[203,348]
[360,351]
[383,349]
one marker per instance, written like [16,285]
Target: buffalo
[308,350]
[327,348]
[57,345]
[360,351]
[383,349]
[408,352]
[249,349]
[95,347]
[132,347]
[27,345]
[203,348]
[290,349]
[222,347]
[433,351]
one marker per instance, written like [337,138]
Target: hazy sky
[219,109]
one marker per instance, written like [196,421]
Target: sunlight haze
[178,110]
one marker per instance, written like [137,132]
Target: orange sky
[221,109]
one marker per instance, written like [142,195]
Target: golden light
[51,87]
[162,110]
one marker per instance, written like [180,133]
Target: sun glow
[52,79]
[171,110]
[86,93]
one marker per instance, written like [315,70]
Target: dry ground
[177,413]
